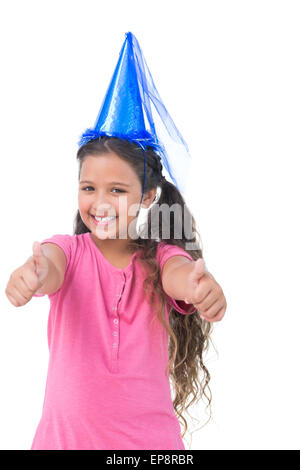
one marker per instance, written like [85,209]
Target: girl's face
[109,187]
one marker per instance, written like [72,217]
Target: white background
[228,73]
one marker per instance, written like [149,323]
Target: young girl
[127,313]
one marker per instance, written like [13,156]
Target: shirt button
[116,320]
[114,308]
[115,345]
[115,333]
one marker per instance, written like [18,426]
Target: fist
[205,293]
[28,278]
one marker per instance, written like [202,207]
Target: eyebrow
[112,182]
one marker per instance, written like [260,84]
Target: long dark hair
[189,335]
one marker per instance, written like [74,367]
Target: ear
[148,198]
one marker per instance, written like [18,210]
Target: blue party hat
[127,113]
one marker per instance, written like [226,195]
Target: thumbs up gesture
[28,278]
[40,261]
[205,293]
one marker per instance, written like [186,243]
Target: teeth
[104,219]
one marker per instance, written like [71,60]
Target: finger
[17,295]
[214,310]
[25,289]
[217,317]
[207,300]
[36,251]
[30,277]
[40,260]
[200,266]
[198,271]
[12,300]
[200,293]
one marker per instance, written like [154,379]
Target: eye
[120,190]
[91,187]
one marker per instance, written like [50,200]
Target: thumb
[198,271]
[36,250]
[38,255]
[40,261]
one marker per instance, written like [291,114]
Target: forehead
[102,167]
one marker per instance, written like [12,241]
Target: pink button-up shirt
[106,386]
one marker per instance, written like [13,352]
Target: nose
[103,208]
[100,200]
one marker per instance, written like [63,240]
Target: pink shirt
[106,387]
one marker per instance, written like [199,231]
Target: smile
[103,220]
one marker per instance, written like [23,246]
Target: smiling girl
[131,304]
[119,327]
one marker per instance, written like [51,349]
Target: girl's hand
[205,293]
[28,278]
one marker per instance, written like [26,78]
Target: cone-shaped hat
[127,112]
